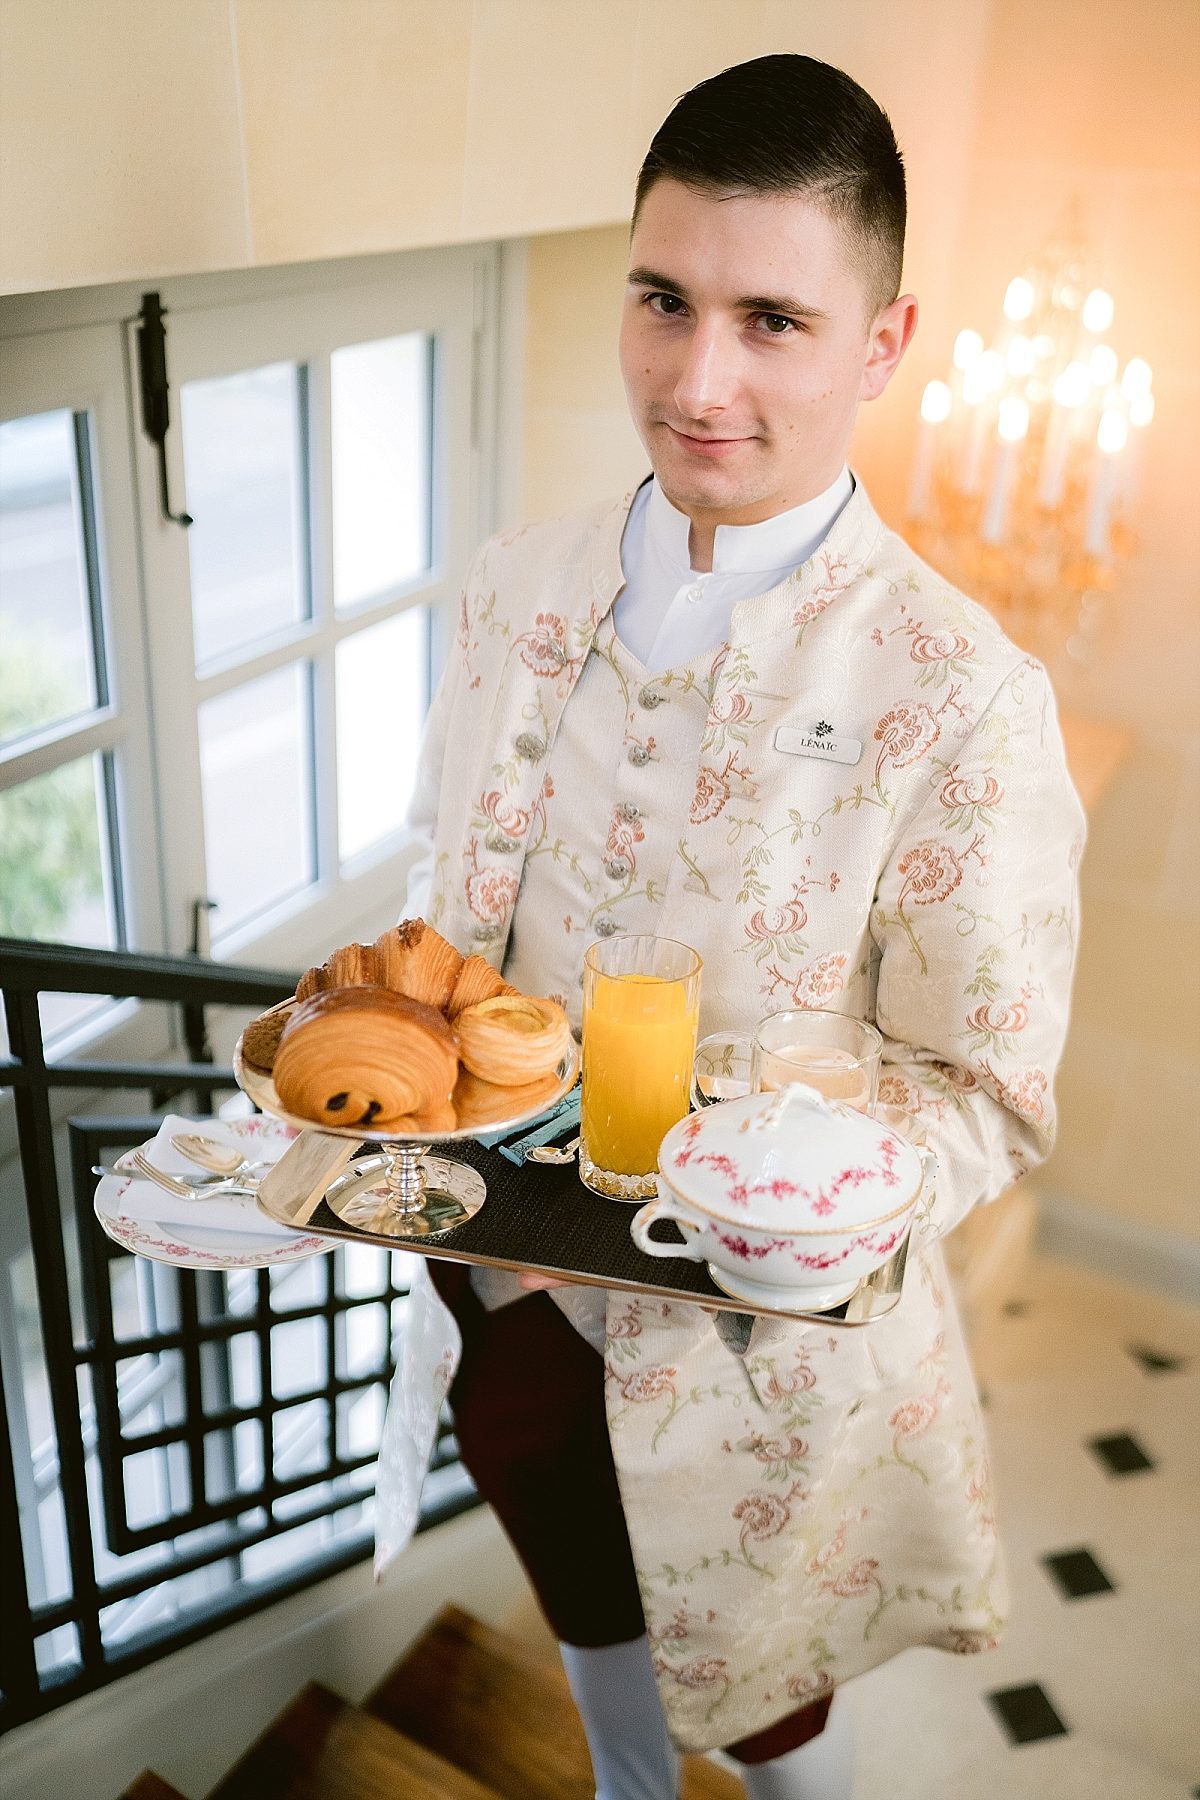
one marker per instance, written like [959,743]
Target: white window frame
[75,350]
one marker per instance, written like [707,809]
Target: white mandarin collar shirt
[668,612]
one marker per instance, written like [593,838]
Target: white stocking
[822,1769]
[617,1696]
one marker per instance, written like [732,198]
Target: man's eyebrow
[765,303]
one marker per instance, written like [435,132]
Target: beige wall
[139,138]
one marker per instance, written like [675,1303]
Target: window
[226,716]
[73,731]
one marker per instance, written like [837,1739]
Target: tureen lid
[790,1161]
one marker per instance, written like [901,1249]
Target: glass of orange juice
[641,1007]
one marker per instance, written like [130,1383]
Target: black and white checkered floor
[1093,1396]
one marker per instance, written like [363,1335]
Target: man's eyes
[670,306]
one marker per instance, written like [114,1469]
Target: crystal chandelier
[1024,482]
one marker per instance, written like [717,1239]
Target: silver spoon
[553,1153]
[210,1154]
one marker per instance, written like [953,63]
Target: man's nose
[708,378]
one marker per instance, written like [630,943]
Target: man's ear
[890,335]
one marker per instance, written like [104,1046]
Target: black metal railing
[162,1469]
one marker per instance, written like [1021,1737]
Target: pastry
[481,1104]
[512,1039]
[477,980]
[365,1056]
[414,959]
[260,1040]
[354,965]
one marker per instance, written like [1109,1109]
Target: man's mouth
[706,446]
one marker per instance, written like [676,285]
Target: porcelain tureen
[790,1198]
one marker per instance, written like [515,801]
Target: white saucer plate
[781,1299]
[197,1246]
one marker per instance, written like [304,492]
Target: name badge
[819,742]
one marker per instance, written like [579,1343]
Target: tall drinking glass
[641,1005]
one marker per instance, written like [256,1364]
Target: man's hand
[527,1279]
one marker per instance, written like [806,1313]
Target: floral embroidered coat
[808,1508]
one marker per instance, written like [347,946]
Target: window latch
[156,408]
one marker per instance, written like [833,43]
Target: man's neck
[703,526]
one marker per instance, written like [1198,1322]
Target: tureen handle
[793,1093]
[665,1208]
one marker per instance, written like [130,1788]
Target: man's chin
[704,489]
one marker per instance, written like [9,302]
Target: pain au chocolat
[366,1056]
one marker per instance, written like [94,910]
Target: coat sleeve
[420,825]
[975,924]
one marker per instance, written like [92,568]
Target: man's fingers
[528,1279]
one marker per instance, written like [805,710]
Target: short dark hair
[788,124]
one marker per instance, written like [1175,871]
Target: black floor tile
[1121,1455]
[1077,1574]
[1026,1714]
[1155,1362]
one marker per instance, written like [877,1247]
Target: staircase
[467,1714]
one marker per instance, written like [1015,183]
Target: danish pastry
[511,1039]
[414,959]
[365,1056]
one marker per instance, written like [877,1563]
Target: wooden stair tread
[150,1786]
[323,1748]
[488,1703]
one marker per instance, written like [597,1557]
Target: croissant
[354,965]
[477,980]
[511,1039]
[414,959]
[365,1056]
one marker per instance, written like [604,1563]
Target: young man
[734,708]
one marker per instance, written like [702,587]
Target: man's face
[747,343]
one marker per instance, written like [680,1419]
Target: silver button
[628,811]
[529,746]
[486,934]
[501,844]
[615,869]
[607,927]
[639,756]
[649,699]
[696,593]
[555,653]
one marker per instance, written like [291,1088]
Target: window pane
[47,663]
[381,473]
[244,469]
[256,770]
[382,687]
[54,858]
